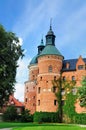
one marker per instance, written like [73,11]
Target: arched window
[50,68]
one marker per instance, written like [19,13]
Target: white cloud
[20,41]
[19,93]
[21,77]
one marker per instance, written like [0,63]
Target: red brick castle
[45,67]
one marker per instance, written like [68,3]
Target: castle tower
[30,85]
[50,65]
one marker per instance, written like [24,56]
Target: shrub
[10,114]
[26,116]
[80,118]
[46,117]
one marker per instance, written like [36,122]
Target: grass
[32,126]
[11,124]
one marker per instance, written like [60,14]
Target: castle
[46,66]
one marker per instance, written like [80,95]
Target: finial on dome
[51,24]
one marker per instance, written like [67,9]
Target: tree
[68,87]
[82,93]
[10,52]
[10,114]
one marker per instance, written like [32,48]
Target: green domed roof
[50,50]
[34,60]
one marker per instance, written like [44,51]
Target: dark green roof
[34,60]
[50,50]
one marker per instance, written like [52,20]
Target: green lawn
[10,124]
[51,127]
[32,126]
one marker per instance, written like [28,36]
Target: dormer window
[80,67]
[67,65]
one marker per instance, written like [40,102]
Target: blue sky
[30,20]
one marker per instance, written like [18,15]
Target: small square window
[81,67]
[55,102]
[25,99]
[64,78]
[73,78]
[54,77]
[62,91]
[33,97]
[39,89]
[54,89]
[40,78]
[50,68]
[38,102]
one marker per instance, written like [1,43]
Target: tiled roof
[14,101]
[72,64]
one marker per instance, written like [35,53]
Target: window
[73,78]
[50,68]
[38,102]
[74,91]
[39,89]
[81,67]
[33,97]
[54,89]
[55,102]
[54,77]
[46,81]
[67,65]
[40,78]
[18,110]
[64,78]
[62,91]
[25,99]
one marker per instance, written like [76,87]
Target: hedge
[50,117]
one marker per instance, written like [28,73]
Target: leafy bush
[70,115]
[26,116]
[46,117]
[10,114]
[80,118]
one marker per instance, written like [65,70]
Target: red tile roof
[14,101]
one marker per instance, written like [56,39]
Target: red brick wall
[46,96]
[30,89]
[78,77]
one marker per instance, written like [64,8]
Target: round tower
[50,65]
[30,85]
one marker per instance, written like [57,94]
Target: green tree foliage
[10,52]
[58,84]
[68,87]
[10,114]
[26,116]
[69,108]
[82,93]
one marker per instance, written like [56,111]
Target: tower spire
[51,24]
[42,43]
[50,37]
